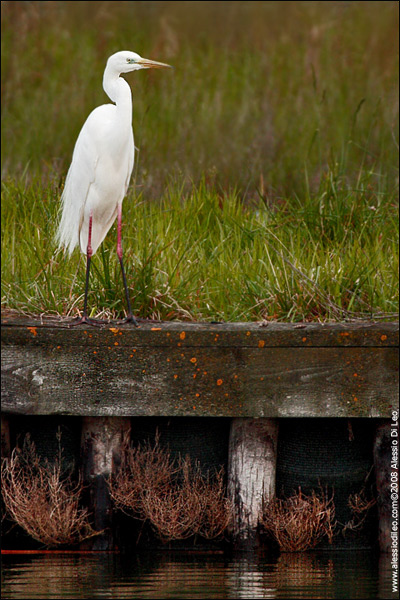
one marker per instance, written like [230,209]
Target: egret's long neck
[118,90]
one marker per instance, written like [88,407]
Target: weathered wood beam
[200,369]
[251,475]
[101,441]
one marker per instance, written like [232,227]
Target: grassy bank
[213,257]
[266,180]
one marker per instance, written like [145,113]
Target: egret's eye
[130,60]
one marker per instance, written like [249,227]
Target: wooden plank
[200,369]
[177,334]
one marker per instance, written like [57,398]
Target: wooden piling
[101,442]
[382,449]
[5,437]
[251,474]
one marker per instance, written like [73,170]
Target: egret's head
[126,61]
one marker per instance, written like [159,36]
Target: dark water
[345,574]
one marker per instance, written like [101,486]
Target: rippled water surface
[346,574]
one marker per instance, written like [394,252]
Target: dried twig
[359,506]
[40,498]
[300,522]
[173,495]
[143,469]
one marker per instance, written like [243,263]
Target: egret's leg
[129,317]
[89,254]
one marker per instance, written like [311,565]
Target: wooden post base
[251,474]
[5,437]
[101,449]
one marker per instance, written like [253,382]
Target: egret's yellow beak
[151,64]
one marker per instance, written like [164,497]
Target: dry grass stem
[173,495]
[143,468]
[360,507]
[42,500]
[359,504]
[300,522]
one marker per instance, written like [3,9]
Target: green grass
[266,184]
[210,256]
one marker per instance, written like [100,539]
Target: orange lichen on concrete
[261,344]
[193,360]
[220,381]
[156,329]
[115,330]
[383,337]
[182,335]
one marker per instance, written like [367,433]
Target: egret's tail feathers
[67,235]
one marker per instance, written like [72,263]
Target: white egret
[101,168]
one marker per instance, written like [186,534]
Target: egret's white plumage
[102,160]
[102,164]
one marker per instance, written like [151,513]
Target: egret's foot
[129,319]
[85,320]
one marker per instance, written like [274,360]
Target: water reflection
[345,574]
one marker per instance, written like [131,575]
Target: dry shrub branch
[173,495]
[40,498]
[360,506]
[300,522]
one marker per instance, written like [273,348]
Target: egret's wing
[113,171]
[97,180]
[80,177]
[131,160]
